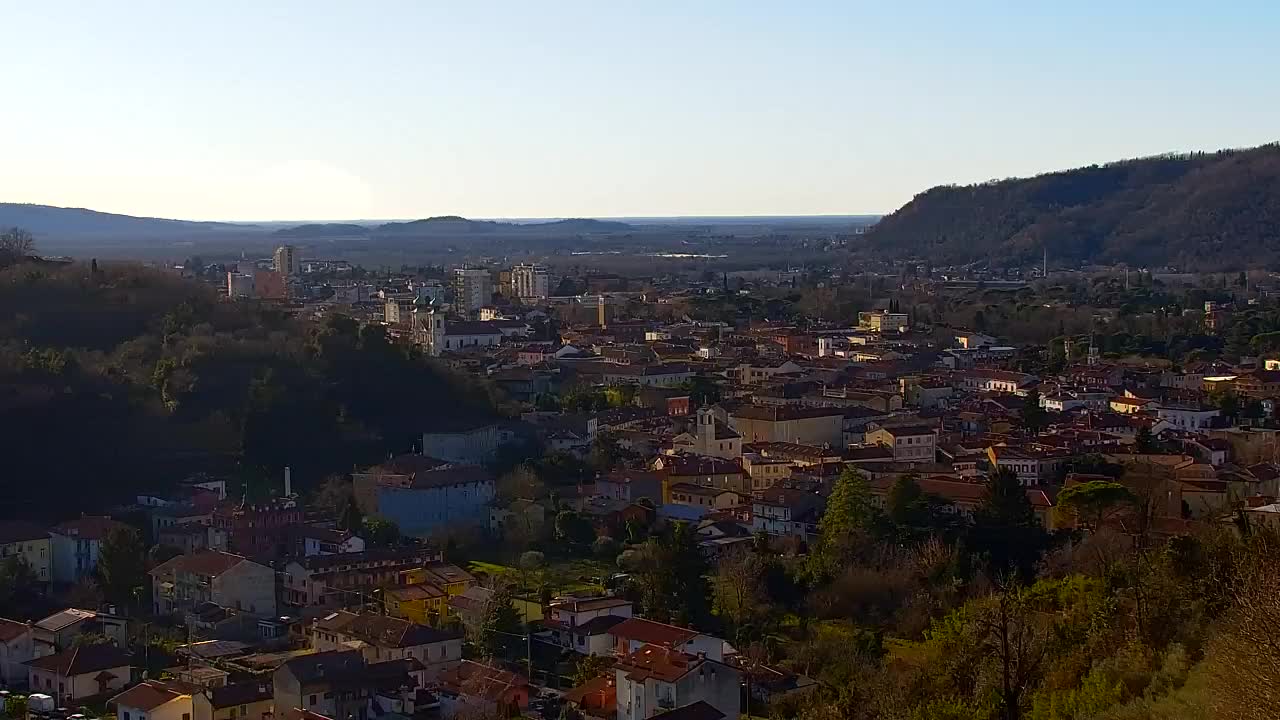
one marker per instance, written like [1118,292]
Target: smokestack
[288,482]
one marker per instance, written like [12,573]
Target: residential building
[653,680]
[79,672]
[439,335]
[185,582]
[996,381]
[17,647]
[1187,417]
[475,689]
[425,501]
[786,512]
[701,470]
[749,374]
[260,530]
[74,547]
[635,633]
[474,446]
[329,580]
[154,700]
[910,443]
[30,542]
[337,684]
[308,540]
[247,700]
[765,471]
[705,498]
[530,282]
[59,630]
[630,485]
[1034,465]
[789,423]
[472,289]
[583,624]
[285,261]
[380,638]
[882,322]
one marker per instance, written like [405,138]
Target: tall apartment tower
[530,282]
[286,261]
[472,288]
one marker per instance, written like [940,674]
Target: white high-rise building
[472,289]
[286,261]
[530,281]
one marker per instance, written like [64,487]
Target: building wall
[806,431]
[202,710]
[473,447]
[249,587]
[36,553]
[172,710]
[420,511]
[13,673]
[73,558]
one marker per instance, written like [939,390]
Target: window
[244,711]
[313,700]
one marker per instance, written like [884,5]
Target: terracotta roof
[701,465]
[479,680]
[382,630]
[210,563]
[652,661]
[597,697]
[147,696]
[81,660]
[653,633]
[449,573]
[409,593]
[89,527]
[700,710]
[912,430]
[21,531]
[239,694]
[691,489]
[12,629]
[585,604]
[783,413]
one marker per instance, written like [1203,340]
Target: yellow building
[30,542]
[422,603]
[423,595]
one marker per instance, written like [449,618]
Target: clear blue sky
[274,109]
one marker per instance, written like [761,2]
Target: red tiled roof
[653,633]
[146,696]
[209,562]
[12,629]
[657,662]
[89,527]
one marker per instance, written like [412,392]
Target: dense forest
[1199,211]
[118,379]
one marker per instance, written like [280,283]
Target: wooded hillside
[1198,211]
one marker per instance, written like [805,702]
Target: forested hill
[122,380]
[1201,211]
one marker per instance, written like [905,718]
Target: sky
[316,110]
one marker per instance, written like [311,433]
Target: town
[697,495]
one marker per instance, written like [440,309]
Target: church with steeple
[711,436]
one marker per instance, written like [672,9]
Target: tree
[671,574]
[122,567]
[907,505]
[590,667]
[574,529]
[848,517]
[16,579]
[500,624]
[1034,417]
[351,519]
[334,495]
[521,483]
[380,533]
[1005,528]
[1091,503]
[1144,441]
[739,591]
[15,244]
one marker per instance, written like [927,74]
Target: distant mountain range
[60,221]
[1202,210]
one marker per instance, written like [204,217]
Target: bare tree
[1244,660]
[15,244]
[1017,637]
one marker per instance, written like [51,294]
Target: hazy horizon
[317,110]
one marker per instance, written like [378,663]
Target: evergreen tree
[1006,531]
[848,516]
[122,566]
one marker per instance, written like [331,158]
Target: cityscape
[717,362]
